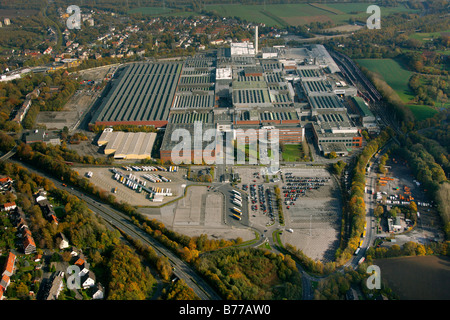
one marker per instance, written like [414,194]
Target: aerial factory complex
[241,87]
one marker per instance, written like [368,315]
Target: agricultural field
[400,274]
[393,73]
[397,78]
[283,15]
[151,10]
[428,36]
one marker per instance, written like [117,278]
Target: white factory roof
[128,145]
[242,49]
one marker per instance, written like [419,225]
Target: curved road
[182,270]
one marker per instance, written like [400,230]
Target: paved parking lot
[103,178]
[201,212]
[314,217]
[314,213]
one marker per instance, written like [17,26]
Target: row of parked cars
[296,187]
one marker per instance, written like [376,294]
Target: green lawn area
[427,36]
[393,73]
[292,152]
[59,211]
[251,153]
[422,112]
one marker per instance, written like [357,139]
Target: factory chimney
[256,40]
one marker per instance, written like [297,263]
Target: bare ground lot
[401,275]
[345,28]
[78,105]
[87,148]
[72,112]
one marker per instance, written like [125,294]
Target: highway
[117,219]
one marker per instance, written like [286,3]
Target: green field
[422,112]
[427,36]
[393,73]
[283,14]
[151,10]
[397,78]
[292,152]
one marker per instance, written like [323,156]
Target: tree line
[354,208]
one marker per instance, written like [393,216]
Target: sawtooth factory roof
[142,95]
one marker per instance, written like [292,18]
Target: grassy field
[393,73]
[151,10]
[283,14]
[397,78]
[292,152]
[427,36]
[421,111]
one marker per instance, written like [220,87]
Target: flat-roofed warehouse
[142,95]
[127,145]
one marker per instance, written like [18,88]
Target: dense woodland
[251,274]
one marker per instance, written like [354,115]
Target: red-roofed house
[5,180]
[10,265]
[80,262]
[28,244]
[4,283]
[9,206]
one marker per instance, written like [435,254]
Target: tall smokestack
[256,39]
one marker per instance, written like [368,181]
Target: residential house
[47,210]
[48,50]
[4,283]
[64,242]
[10,265]
[75,252]
[98,292]
[7,273]
[9,206]
[17,217]
[88,280]
[52,288]
[5,183]
[29,246]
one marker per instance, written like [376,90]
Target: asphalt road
[182,269]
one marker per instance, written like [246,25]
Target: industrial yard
[106,179]
[237,92]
